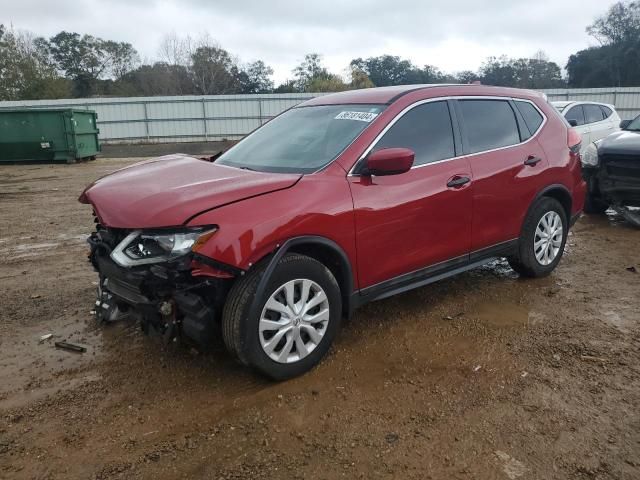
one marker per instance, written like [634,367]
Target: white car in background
[592,120]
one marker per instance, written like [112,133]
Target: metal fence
[176,119]
[218,117]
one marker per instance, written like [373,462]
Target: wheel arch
[556,191]
[322,249]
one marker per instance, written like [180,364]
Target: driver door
[419,218]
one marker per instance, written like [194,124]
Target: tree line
[73,65]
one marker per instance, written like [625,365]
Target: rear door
[577,113]
[421,217]
[506,162]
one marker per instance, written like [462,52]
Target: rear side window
[592,113]
[489,124]
[606,111]
[425,129]
[575,113]
[531,115]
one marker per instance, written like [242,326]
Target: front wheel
[542,240]
[298,318]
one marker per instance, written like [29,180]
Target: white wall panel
[199,118]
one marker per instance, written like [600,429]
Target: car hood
[167,191]
[624,142]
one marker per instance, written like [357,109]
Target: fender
[308,240]
[542,193]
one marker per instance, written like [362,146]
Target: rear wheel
[542,239]
[294,327]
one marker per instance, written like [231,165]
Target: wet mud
[482,376]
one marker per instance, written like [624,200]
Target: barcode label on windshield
[360,116]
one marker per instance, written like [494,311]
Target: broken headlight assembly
[145,247]
[590,156]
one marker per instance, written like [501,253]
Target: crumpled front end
[169,296]
[616,179]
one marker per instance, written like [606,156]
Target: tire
[594,205]
[244,334]
[525,262]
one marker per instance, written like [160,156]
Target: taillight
[574,140]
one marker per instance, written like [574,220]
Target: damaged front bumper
[166,297]
[616,180]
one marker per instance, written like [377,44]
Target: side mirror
[573,122]
[389,161]
[624,124]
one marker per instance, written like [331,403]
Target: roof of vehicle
[387,95]
[561,104]
[564,103]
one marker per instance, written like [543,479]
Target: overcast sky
[450,34]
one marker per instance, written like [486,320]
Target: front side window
[425,129]
[301,140]
[576,113]
[592,113]
[489,124]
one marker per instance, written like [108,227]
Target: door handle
[458,181]
[532,160]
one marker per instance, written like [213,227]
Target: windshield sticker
[360,116]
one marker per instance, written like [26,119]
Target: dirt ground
[483,376]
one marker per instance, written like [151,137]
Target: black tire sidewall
[290,269]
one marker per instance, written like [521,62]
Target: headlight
[590,156]
[140,247]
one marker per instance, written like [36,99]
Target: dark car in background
[611,167]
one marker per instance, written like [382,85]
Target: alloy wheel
[294,320]
[548,238]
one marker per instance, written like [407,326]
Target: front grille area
[622,166]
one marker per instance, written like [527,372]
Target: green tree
[535,73]
[25,71]
[466,76]
[288,86]
[86,59]
[385,70]
[617,61]
[157,79]
[620,24]
[256,78]
[360,79]
[498,71]
[326,83]
[310,70]
[213,71]
[388,70]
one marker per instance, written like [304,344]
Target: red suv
[344,199]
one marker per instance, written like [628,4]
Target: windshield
[634,125]
[301,140]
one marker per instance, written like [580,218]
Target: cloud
[453,35]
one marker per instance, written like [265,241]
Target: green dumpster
[48,135]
